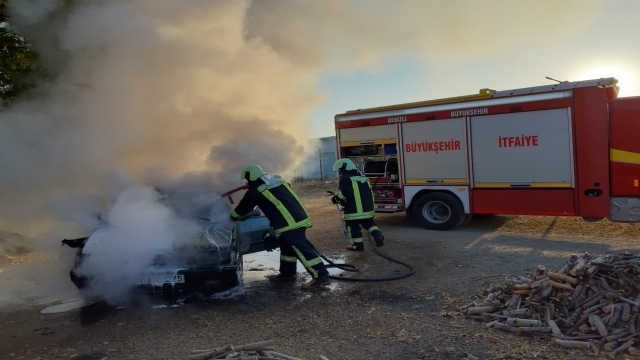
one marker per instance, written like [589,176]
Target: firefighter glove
[270,240]
[337,200]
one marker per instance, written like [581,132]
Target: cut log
[576,292]
[598,324]
[546,292]
[564,269]
[491,324]
[626,312]
[605,284]
[513,301]
[537,284]
[573,344]
[559,285]
[592,309]
[521,286]
[609,308]
[522,292]
[611,345]
[620,335]
[579,268]
[480,310]
[585,328]
[593,302]
[576,314]
[502,326]
[523,322]
[519,313]
[555,330]
[616,315]
[628,301]
[540,270]
[537,329]
[560,277]
[624,346]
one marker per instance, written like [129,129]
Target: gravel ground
[413,318]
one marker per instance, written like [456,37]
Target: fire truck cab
[567,149]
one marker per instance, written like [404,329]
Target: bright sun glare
[626,82]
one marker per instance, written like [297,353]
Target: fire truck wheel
[438,211]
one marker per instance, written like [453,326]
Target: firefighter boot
[377,236]
[283,277]
[316,283]
[356,247]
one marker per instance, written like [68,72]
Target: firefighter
[356,195]
[289,219]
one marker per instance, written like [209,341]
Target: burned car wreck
[213,261]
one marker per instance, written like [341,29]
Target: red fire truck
[567,149]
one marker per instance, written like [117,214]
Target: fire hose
[344,266]
[349,267]
[228,193]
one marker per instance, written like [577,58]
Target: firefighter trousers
[355,234]
[295,246]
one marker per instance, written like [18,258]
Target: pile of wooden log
[263,350]
[590,303]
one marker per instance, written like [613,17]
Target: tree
[18,61]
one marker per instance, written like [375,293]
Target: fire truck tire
[438,211]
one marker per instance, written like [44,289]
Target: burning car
[212,261]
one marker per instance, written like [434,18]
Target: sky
[600,41]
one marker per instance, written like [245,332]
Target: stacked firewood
[263,350]
[590,303]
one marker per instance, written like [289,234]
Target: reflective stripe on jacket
[357,192]
[279,204]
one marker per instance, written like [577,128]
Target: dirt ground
[412,318]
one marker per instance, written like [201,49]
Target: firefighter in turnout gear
[289,218]
[356,195]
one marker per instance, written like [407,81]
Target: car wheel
[438,211]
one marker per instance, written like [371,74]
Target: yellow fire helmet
[252,173]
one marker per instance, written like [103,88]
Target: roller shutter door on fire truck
[522,149]
[368,133]
[435,151]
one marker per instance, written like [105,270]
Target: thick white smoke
[139,226]
[141,86]
[171,95]
[178,96]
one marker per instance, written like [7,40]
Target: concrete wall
[318,165]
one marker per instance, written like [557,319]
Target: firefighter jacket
[356,191]
[277,201]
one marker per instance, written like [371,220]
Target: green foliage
[18,61]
